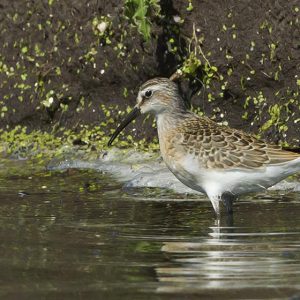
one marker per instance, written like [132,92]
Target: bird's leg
[227,199]
[229,220]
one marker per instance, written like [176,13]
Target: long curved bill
[130,117]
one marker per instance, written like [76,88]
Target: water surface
[73,234]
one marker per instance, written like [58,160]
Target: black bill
[130,117]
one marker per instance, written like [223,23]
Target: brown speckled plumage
[220,147]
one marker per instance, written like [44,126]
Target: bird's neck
[169,120]
[167,124]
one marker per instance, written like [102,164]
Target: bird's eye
[148,93]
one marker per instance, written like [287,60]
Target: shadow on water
[79,234]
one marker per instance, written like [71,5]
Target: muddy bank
[67,64]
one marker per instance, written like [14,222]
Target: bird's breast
[183,165]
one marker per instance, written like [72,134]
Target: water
[82,234]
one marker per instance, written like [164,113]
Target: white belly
[236,181]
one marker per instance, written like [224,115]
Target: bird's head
[157,96]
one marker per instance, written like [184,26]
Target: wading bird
[217,160]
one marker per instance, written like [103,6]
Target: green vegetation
[197,67]
[91,140]
[139,12]
[102,27]
[190,6]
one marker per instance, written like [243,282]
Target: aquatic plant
[139,13]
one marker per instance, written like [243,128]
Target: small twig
[198,46]
[176,75]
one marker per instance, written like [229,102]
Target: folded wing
[221,147]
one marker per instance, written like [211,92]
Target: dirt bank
[64,64]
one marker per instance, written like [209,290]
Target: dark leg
[229,221]
[228,199]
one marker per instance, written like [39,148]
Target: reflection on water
[76,234]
